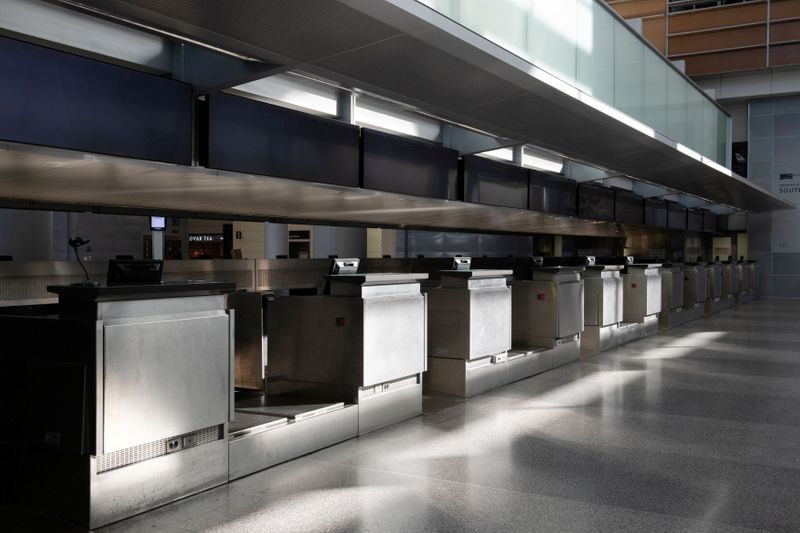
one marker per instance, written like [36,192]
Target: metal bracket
[210,71]
[468,142]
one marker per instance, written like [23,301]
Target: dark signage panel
[709,222]
[494,183]
[676,216]
[655,213]
[553,194]
[694,220]
[53,98]
[628,207]
[407,166]
[595,202]
[249,136]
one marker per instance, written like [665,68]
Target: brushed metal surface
[377,411]
[262,450]
[641,293]
[139,487]
[463,378]
[355,341]
[694,284]
[713,281]
[76,180]
[754,279]
[163,378]
[548,307]
[603,297]
[671,288]
[742,279]
[470,322]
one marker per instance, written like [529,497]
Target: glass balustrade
[585,45]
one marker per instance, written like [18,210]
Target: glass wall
[583,44]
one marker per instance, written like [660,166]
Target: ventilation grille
[151,450]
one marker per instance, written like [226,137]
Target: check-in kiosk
[672,281]
[360,343]
[745,294]
[121,402]
[605,325]
[469,329]
[714,301]
[547,309]
[642,295]
[729,288]
[754,279]
[694,291]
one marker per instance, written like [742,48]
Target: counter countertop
[127,292]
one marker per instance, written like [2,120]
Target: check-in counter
[694,291]
[363,342]
[714,301]
[743,282]
[131,402]
[605,325]
[672,281]
[642,295]
[730,285]
[754,278]
[469,329]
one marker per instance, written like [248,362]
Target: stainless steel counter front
[642,292]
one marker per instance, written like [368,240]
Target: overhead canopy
[74,180]
[403,50]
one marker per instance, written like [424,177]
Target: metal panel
[163,379]
[386,408]
[394,338]
[250,334]
[258,451]
[642,293]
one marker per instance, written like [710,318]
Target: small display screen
[158,223]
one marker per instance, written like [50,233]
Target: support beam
[468,142]
[210,71]
[346,106]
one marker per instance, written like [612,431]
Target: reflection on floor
[697,430]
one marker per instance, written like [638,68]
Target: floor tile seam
[551,498]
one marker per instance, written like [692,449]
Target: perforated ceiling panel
[304,30]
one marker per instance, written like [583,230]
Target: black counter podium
[120,403]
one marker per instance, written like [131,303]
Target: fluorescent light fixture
[504,154]
[387,121]
[295,93]
[539,161]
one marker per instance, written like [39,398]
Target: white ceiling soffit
[32,175]
[403,50]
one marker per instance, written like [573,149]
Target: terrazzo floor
[697,430]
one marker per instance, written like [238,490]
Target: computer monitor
[132,272]
[158,223]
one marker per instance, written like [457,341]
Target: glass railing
[584,44]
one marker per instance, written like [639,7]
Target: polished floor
[697,430]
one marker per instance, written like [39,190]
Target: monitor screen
[552,194]
[595,202]
[249,136]
[676,217]
[655,213]
[158,223]
[408,166]
[132,272]
[628,207]
[494,183]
